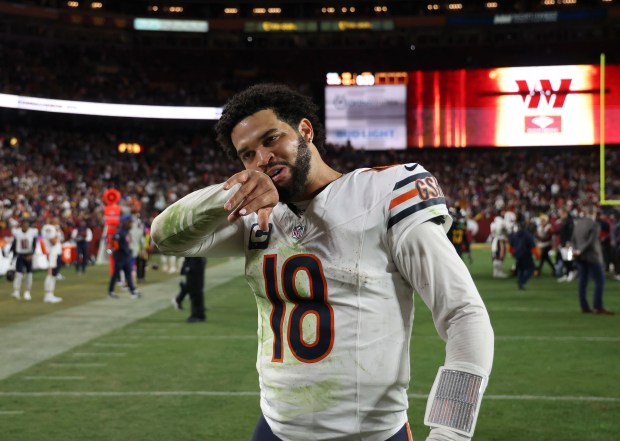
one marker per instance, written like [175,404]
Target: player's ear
[306,130]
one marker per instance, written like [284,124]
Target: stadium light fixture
[231,11]
[107,109]
[73,4]
[96,5]
[491,5]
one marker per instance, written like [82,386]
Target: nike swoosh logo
[411,168]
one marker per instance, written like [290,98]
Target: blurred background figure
[52,248]
[522,244]
[82,235]
[136,234]
[604,236]
[499,244]
[23,248]
[615,239]
[544,242]
[458,233]
[144,253]
[589,258]
[169,263]
[565,268]
[122,255]
[193,269]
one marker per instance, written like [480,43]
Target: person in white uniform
[333,261]
[23,247]
[53,248]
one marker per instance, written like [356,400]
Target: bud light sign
[372,117]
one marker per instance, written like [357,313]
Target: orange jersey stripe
[403,197]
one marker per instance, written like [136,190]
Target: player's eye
[270,140]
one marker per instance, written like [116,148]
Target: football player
[333,261]
[458,233]
[499,246]
[53,249]
[23,248]
[123,260]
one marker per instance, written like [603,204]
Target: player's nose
[264,157]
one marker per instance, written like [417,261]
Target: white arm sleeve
[197,225]
[427,259]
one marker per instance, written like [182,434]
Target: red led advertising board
[512,107]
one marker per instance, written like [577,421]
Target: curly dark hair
[288,105]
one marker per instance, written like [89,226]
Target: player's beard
[299,173]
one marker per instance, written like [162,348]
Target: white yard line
[537,398]
[117,345]
[571,338]
[575,338]
[27,343]
[99,354]
[207,393]
[192,337]
[80,365]
[50,378]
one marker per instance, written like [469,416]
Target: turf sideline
[27,343]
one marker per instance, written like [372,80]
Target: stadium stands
[63,163]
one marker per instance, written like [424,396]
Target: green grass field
[556,374]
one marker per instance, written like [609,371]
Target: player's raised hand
[257,194]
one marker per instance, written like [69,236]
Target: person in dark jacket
[123,258]
[589,257]
[193,269]
[522,242]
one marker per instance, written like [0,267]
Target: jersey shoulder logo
[416,192]
[259,239]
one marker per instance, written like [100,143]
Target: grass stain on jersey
[307,399]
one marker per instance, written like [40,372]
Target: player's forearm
[440,434]
[188,226]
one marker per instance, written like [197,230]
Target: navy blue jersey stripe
[411,178]
[414,209]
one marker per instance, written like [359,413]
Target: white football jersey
[25,241]
[52,239]
[334,289]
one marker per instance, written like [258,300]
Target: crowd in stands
[60,172]
[126,75]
